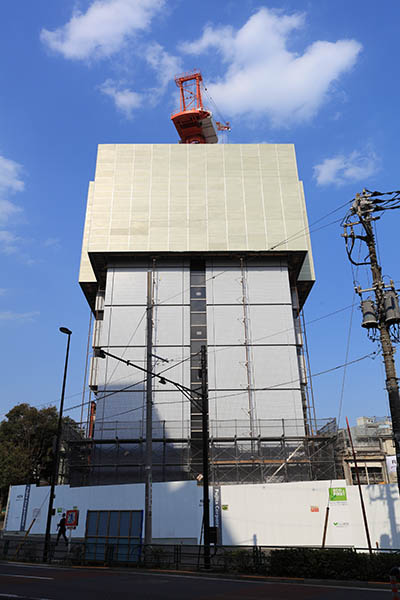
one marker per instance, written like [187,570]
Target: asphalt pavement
[41,582]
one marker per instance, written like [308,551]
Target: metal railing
[239,559]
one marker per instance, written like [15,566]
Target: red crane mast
[193,122]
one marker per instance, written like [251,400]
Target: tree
[27,446]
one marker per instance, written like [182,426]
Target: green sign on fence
[337,494]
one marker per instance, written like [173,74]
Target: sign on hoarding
[337,494]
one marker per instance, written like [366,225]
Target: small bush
[331,564]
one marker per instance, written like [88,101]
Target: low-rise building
[374,448]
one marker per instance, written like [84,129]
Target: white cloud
[8,242]
[125,99]
[342,169]
[52,242]
[10,182]
[103,29]
[7,210]
[262,77]
[166,65]
[9,315]
[10,178]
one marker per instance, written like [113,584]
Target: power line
[130,339]
[302,231]
[297,234]
[103,397]
[227,348]
[339,310]
[331,314]
[278,385]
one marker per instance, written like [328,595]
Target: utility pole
[149,416]
[377,317]
[206,499]
[392,384]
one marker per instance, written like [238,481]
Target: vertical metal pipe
[250,383]
[325,526]
[311,406]
[86,367]
[206,499]
[54,473]
[149,415]
[364,514]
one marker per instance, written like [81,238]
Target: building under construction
[188,245]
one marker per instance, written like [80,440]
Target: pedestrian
[61,530]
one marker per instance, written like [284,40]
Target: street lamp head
[65,330]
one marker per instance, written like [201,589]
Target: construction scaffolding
[277,451]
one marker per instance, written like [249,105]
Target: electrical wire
[339,310]
[128,387]
[128,344]
[302,231]
[354,273]
[86,363]
[218,112]
[225,348]
[356,360]
[296,235]
[345,368]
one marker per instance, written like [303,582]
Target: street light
[54,473]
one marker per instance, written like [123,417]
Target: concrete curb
[265,578]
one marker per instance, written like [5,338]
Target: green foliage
[26,446]
[238,561]
[331,564]
[308,563]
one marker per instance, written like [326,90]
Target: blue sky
[317,73]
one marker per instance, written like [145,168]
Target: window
[362,474]
[113,535]
[375,475]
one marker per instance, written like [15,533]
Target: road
[37,582]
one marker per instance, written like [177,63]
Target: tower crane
[193,121]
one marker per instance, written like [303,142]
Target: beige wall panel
[204,197]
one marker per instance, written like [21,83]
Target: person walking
[62,529]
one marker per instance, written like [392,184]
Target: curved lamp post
[54,473]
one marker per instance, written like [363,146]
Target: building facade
[374,448]
[223,231]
